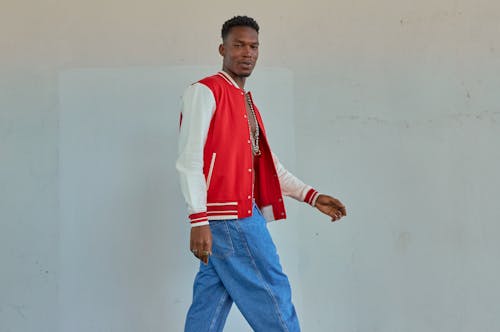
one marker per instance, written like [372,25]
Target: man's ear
[222,50]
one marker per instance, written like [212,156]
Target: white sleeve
[198,107]
[293,187]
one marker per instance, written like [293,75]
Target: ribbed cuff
[311,197]
[198,224]
[198,219]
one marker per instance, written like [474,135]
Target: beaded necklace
[253,137]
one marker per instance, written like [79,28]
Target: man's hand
[331,207]
[201,242]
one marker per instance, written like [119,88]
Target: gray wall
[391,106]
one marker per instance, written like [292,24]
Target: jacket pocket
[211,169]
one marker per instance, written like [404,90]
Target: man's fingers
[195,252]
[206,252]
[205,256]
[336,214]
[202,251]
[341,207]
[201,242]
[202,255]
[331,207]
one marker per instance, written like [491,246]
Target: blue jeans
[244,268]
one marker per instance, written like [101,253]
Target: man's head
[240,46]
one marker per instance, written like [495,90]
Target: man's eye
[237,45]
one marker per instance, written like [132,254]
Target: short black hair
[238,21]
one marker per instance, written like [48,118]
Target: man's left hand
[330,206]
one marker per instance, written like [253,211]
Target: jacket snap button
[249,211]
[249,197]
[249,169]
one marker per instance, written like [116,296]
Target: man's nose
[248,51]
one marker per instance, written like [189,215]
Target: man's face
[240,51]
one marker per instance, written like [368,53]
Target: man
[232,184]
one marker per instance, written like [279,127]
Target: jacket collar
[229,79]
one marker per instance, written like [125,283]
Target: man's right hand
[201,242]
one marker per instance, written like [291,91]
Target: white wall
[29,224]
[404,126]
[395,110]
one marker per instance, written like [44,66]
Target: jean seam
[268,290]
[218,310]
[227,235]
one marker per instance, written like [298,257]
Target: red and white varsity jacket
[215,158]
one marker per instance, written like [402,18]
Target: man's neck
[237,79]
[240,81]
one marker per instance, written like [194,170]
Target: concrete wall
[394,110]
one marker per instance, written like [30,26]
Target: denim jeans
[244,268]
